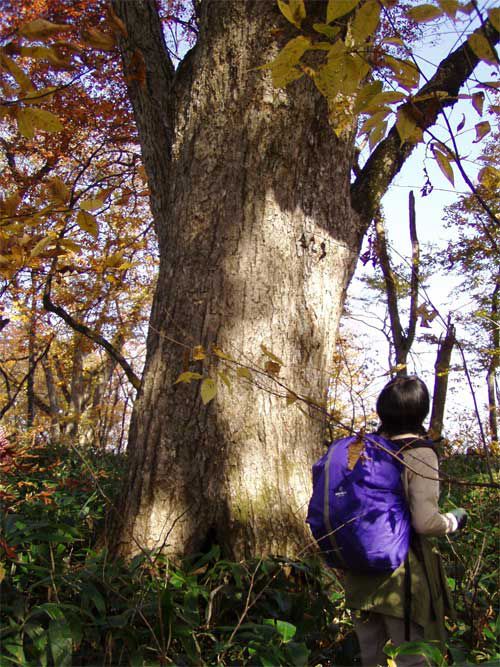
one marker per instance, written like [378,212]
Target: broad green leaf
[285,629]
[87,223]
[407,127]
[377,134]
[494,16]
[338,8]
[405,72]
[293,10]
[423,13]
[91,204]
[481,47]
[482,129]
[374,120]
[324,29]
[449,7]
[444,164]
[271,356]
[283,67]
[366,95]
[188,376]
[365,21]
[208,390]
[61,643]
[40,29]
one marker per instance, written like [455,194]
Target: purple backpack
[358,512]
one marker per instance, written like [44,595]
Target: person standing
[410,603]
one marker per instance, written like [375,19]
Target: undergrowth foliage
[65,602]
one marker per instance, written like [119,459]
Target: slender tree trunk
[258,243]
[30,382]
[54,404]
[493,368]
[441,373]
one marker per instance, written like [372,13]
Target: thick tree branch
[390,155]
[149,73]
[415,271]
[92,335]
[441,373]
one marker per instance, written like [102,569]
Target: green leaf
[283,67]
[366,95]
[374,120]
[298,654]
[407,127]
[423,13]
[365,21]
[324,29]
[338,8]
[87,223]
[481,47]
[188,376]
[61,643]
[405,72]
[377,134]
[293,10]
[208,390]
[243,372]
[286,630]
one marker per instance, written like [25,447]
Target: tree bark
[491,374]
[258,242]
[441,373]
[250,192]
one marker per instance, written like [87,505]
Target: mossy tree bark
[258,236]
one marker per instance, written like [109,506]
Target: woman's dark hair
[403,405]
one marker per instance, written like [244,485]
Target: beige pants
[374,630]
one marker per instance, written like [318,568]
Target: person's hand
[461,516]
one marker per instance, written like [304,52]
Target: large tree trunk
[258,242]
[259,231]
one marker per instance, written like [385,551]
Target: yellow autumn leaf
[444,164]
[338,8]
[489,176]
[98,40]
[30,119]
[494,16]
[377,134]
[199,353]
[291,398]
[283,67]
[293,10]
[354,452]
[188,376]
[220,353]
[70,245]
[365,21]
[271,356]
[208,390]
[40,29]
[482,129]
[22,79]
[407,127]
[366,95]
[42,245]
[224,377]
[324,29]
[46,53]
[449,7]
[391,662]
[374,120]
[423,13]
[244,372]
[481,47]
[87,223]
[478,102]
[405,72]
[58,191]
[91,204]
